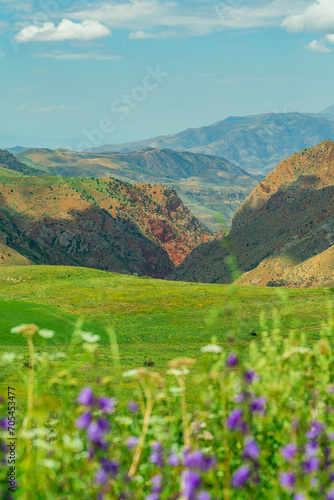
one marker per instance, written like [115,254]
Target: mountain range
[254,143]
[283,233]
[206,184]
[105,224]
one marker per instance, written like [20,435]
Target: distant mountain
[205,183]
[16,150]
[255,143]
[283,233]
[105,224]
[329,110]
[9,161]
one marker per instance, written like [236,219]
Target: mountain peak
[328,111]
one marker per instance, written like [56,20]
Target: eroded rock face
[283,229]
[106,224]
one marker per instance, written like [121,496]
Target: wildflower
[107,404]
[86,397]
[173,460]
[90,337]
[46,334]
[197,460]
[203,495]
[233,420]
[241,476]
[156,446]
[94,432]
[251,449]
[250,376]
[299,496]
[84,420]
[133,407]
[315,430]
[287,480]
[4,424]
[311,448]
[289,451]
[103,424]
[152,496]
[211,348]
[156,483]
[156,458]
[191,481]
[232,360]
[131,442]
[101,477]
[311,465]
[29,330]
[110,466]
[330,494]
[258,405]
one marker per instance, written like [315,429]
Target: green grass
[153,319]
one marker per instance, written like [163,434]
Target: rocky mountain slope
[9,161]
[254,143]
[206,184]
[283,232]
[105,224]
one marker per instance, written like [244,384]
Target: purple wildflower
[311,465]
[107,405]
[311,448]
[299,496]
[258,405]
[287,480]
[250,376]
[330,494]
[101,477]
[152,496]
[197,460]
[239,398]
[156,458]
[232,360]
[241,476]
[251,449]
[315,430]
[109,466]
[4,423]
[234,418]
[173,460]
[132,442]
[86,397]
[156,446]
[94,432]
[203,495]
[191,481]
[133,407]
[84,420]
[103,424]
[156,483]
[289,451]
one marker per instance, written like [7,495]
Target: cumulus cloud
[66,30]
[318,46]
[316,18]
[330,38]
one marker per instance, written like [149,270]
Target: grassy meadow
[153,319]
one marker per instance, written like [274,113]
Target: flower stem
[27,419]
[226,489]
[139,448]
[186,433]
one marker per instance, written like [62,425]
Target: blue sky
[77,74]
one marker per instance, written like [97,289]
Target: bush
[261,425]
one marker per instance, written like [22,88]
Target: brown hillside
[107,224]
[286,220]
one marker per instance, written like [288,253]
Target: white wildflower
[46,334]
[212,348]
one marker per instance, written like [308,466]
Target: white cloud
[141,35]
[66,30]
[330,38]
[57,54]
[186,19]
[51,109]
[2,55]
[316,18]
[318,46]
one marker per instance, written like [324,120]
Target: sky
[81,74]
